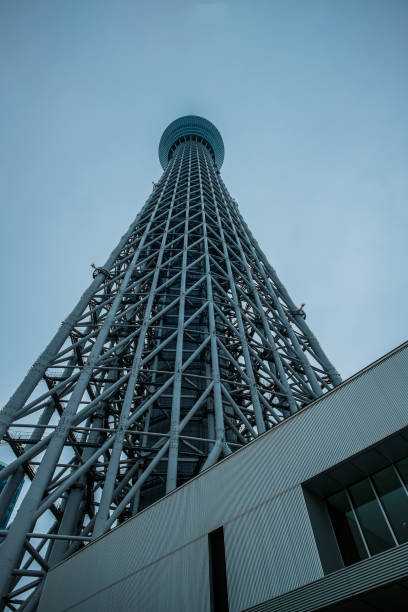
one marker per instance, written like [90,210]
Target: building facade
[186,405]
[314,516]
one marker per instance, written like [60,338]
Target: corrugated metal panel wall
[372,573]
[270,550]
[344,422]
[147,590]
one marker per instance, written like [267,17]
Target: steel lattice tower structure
[184,347]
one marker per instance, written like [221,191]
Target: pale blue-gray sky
[310,98]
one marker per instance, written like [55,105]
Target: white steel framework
[185,347]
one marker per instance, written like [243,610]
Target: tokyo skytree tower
[185,347]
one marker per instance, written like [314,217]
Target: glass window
[345,527]
[402,467]
[394,500]
[370,517]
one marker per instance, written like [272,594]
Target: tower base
[312,515]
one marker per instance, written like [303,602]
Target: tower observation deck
[185,347]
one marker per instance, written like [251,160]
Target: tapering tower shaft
[185,347]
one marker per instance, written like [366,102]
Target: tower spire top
[197,128]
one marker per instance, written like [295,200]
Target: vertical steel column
[300,322]
[260,423]
[215,367]
[172,466]
[37,370]
[309,372]
[102,515]
[14,541]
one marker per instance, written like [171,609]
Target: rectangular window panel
[402,467]
[370,517]
[345,528]
[394,500]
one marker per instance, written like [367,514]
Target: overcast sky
[310,98]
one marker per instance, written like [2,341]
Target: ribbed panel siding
[341,424]
[270,550]
[372,573]
[147,590]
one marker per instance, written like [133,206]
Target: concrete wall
[158,560]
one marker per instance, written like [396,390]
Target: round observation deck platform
[187,127]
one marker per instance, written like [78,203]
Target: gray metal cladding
[375,572]
[270,550]
[255,493]
[148,590]
[159,533]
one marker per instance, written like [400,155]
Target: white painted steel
[188,349]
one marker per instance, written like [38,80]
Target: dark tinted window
[370,517]
[394,501]
[346,529]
